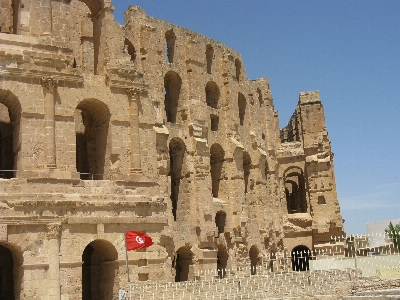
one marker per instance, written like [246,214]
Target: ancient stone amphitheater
[151,127]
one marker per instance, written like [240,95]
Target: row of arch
[100,267]
[172,96]
[91,126]
[177,152]
[99,271]
[170,43]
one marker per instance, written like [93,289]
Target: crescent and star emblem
[139,240]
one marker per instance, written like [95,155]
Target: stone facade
[148,127]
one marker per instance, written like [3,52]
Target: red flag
[137,240]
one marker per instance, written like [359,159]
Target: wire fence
[284,274]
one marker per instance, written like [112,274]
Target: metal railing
[8,174]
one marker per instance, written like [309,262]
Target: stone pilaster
[53,232]
[49,88]
[47,16]
[134,98]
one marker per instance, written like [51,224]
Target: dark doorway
[183,261]
[177,151]
[99,271]
[222,261]
[301,258]
[217,158]
[253,254]
[91,125]
[172,90]
[220,221]
[10,143]
[295,191]
[6,274]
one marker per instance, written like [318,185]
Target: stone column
[49,88]
[53,232]
[47,16]
[134,98]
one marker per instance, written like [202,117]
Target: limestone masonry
[151,127]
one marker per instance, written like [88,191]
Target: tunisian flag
[137,240]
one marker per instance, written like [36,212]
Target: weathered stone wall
[148,127]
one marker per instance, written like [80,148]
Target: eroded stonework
[148,127]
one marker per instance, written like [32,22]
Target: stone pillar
[47,16]
[49,88]
[54,285]
[134,98]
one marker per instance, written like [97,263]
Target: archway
[6,274]
[98,271]
[247,166]
[10,272]
[295,191]
[89,34]
[300,258]
[253,254]
[170,39]
[91,124]
[10,143]
[222,261]
[212,94]
[220,221]
[172,90]
[242,103]
[177,150]
[183,261]
[217,157]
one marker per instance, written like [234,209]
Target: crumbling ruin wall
[150,127]
[308,158]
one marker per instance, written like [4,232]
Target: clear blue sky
[349,50]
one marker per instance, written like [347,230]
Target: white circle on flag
[139,240]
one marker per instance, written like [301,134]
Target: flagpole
[126,253]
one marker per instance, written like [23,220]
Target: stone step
[376,295]
[380,292]
[385,297]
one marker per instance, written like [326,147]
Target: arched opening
[170,39]
[220,221]
[260,97]
[246,170]
[217,157]
[300,258]
[209,57]
[183,261]
[177,151]
[295,191]
[91,125]
[130,49]
[10,271]
[238,67]
[253,254]
[10,143]
[242,107]
[6,274]
[212,94]
[87,34]
[222,261]
[172,90]
[99,271]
